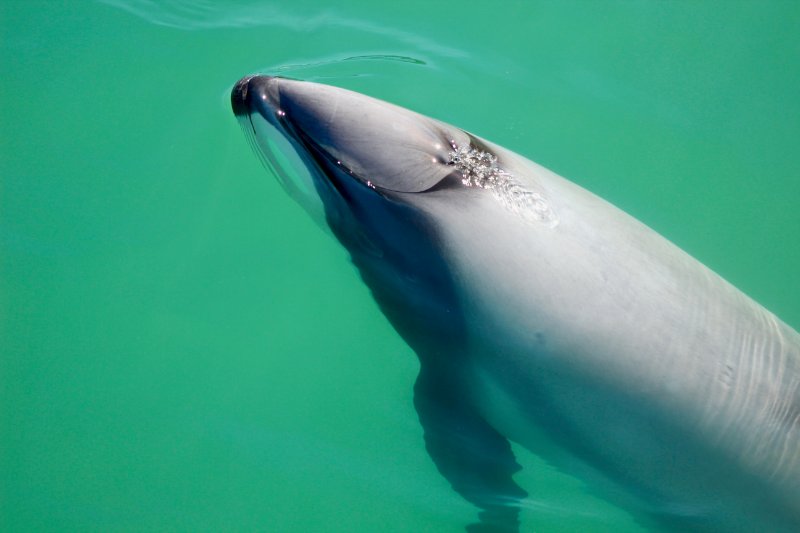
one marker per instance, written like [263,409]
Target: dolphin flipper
[468,452]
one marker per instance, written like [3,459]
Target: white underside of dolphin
[544,315]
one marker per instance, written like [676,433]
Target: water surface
[181,348]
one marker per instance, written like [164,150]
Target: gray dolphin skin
[543,315]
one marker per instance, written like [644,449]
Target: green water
[182,349]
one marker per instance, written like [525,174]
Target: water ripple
[204,15]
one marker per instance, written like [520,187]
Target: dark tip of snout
[244,89]
[239,94]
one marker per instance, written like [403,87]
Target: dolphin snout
[239,96]
[383,145]
[250,87]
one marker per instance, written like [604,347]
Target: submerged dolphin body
[543,315]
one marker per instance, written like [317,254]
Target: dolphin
[545,316]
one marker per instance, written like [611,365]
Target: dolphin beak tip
[242,92]
[239,94]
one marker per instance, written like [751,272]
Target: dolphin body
[543,315]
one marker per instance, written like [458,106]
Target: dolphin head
[391,184]
[363,165]
[380,145]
